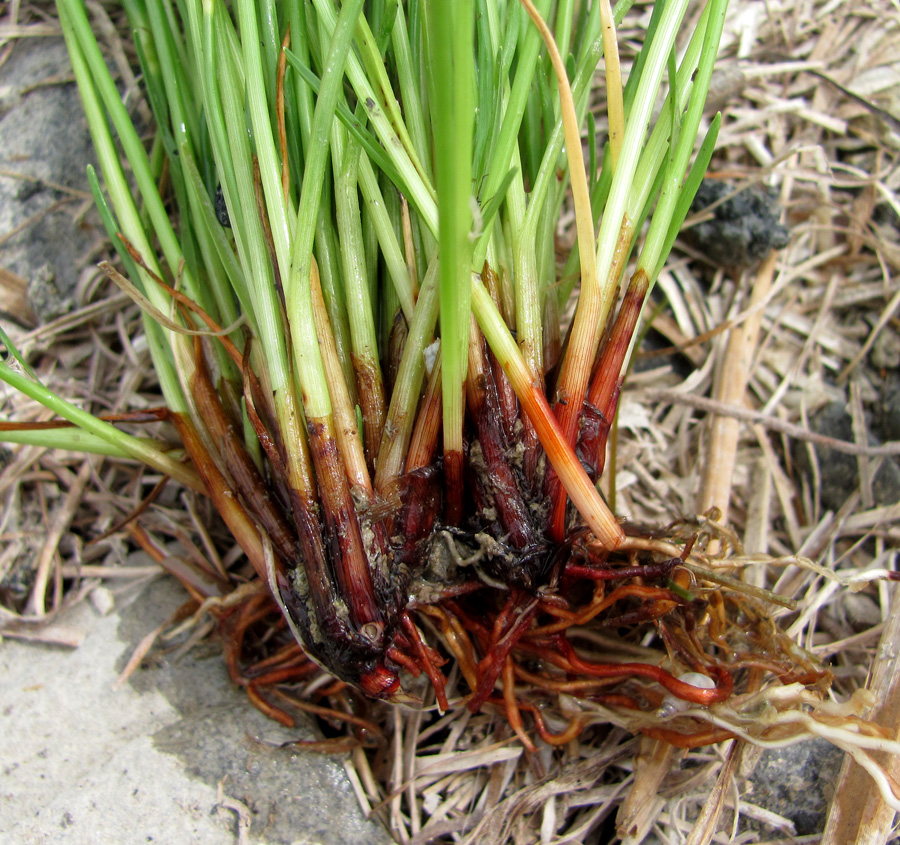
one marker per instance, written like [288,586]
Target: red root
[513,715]
[268,709]
[686,692]
[593,573]
[709,736]
[575,727]
[429,659]
[492,664]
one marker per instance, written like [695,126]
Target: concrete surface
[83,763]
[45,147]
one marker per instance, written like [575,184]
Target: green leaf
[692,183]
[112,228]
[369,142]
[492,206]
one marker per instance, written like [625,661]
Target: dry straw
[351,148]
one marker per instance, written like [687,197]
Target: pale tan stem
[409,246]
[706,824]
[60,523]
[858,813]
[642,805]
[730,387]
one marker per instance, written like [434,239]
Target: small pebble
[743,229]
[885,354]
[672,704]
[102,600]
[861,610]
[797,782]
[726,85]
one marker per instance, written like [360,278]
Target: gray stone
[81,762]
[838,471]
[889,411]
[44,296]
[743,229]
[294,796]
[797,782]
[43,139]
[885,354]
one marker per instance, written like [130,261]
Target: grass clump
[344,242]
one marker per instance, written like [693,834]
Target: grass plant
[344,242]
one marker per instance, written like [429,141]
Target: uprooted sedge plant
[355,313]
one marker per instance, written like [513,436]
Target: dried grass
[810,92]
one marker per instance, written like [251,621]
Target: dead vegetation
[719,413]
